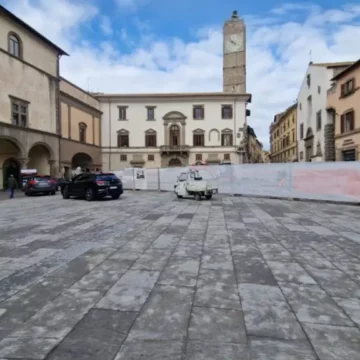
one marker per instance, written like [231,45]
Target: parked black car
[93,186]
[40,184]
[60,182]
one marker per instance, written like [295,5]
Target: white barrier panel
[337,181]
[152,179]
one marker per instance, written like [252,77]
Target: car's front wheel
[115,197]
[89,194]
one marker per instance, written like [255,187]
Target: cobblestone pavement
[153,277]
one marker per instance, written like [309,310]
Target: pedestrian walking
[12,185]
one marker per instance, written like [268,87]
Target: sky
[133,46]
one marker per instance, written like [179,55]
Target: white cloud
[277,53]
[105,25]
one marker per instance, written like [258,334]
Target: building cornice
[127,98]
[81,105]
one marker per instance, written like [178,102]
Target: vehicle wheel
[65,193]
[115,197]
[27,194]
[89,195]
[197,197]
[208,197]
[52,193]
[179,196]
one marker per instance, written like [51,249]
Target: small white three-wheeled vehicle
[192,184]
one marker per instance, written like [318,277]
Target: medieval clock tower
[234,71]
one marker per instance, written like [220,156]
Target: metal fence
[334,181]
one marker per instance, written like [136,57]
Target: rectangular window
[226,112]
[308,80]
[199,140]
[226,140]
[226,156]
[123,157]
[82,134]
[293,135]
[122,112]
[151,157]
[198,112]
[150,140]
[19,112]
[301,131]
[348,122]
[123,140]
[301,155]
[198,157]
[309,107]
[150,113]
[318,121]
[348,88]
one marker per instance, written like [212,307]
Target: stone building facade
[29,99]
[162,130]
[312,120]
[343,111]
[80,143]
[283,136]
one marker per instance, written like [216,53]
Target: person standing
[12,185]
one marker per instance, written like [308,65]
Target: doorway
[11,167]
[349,155]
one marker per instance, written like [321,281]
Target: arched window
[14,45]
[82,132]
[174,135]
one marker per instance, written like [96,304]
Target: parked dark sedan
[40,185]
[93,186]
[60,182]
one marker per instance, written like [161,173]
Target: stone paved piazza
[153,277]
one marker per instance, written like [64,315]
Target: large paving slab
[151,276]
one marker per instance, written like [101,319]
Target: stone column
[182,137]
[23,163]
[52,168]
[166,134]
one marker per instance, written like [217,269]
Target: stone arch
[40,157]
[11,154]
[309,132]
[174,115]
[214,131]
[175,162]
[15,142]
[82,160]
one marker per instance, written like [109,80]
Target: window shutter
[202,113]
[352,121]
[342,89]
[342,121]
[155,140]
[231,112]
[194,112]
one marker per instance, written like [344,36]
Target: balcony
[171,149]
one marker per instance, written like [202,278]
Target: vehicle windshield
[182,177]
[106,177]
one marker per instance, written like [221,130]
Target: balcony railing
[173,148]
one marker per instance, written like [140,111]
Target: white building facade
[315,132]
[162,130]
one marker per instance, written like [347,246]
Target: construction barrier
[332,181]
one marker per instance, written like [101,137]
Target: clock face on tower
[233,43]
